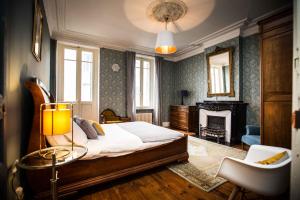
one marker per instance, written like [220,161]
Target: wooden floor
[159,183]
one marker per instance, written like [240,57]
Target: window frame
[60,72]
[151,61]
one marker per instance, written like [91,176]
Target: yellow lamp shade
[56,121]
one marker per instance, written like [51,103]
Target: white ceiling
[125,24]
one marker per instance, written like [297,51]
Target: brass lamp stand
[55,119]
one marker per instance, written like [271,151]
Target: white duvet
[116,142]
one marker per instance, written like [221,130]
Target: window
[86,76]
[77,70]
[70,57]
[77,79]
[144,82]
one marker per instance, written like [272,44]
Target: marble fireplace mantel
[237,119]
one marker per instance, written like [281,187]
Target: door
[77,79]
[276,79]
[295,174]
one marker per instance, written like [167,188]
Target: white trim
[151,60]
[94,102]
[196,50]
[224,113]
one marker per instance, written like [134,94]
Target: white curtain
[157,90]
[130,99]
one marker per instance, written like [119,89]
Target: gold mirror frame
[37,32]
[217,52]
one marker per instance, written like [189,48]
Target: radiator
[146,117]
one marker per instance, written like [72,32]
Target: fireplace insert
[215,122]
[215,128]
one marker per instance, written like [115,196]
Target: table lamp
[184,93]
[55,119]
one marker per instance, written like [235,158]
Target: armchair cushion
[252,130]
[277,158]
[251,139]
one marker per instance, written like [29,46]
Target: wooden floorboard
[159,183]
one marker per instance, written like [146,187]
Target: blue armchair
[252,135]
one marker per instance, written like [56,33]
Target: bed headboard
[40,95]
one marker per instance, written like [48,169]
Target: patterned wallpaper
[168,88]
[251,78]
[189,75]
[112,84]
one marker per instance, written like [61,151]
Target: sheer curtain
[130,66]
[157,90]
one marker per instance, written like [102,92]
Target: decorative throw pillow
[97,127]
[87,128]
[277,158]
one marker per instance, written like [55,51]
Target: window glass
[143,82]
[146,84]
[137,84]
[87,56]
[70,54]
[69,80]
[86,81]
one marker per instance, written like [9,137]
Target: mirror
[219,68]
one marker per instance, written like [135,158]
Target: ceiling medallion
[171,9]
[166,11]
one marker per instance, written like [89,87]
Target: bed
[99,169]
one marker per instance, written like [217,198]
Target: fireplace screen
[215,128]
[215,122]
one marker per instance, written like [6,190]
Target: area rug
[205,158]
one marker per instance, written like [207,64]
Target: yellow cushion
[273,159]
[97,127]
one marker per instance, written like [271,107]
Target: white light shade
[165,43]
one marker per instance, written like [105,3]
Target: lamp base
[59,153]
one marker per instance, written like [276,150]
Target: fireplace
[215,122]
[224,119]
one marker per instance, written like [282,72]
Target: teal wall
[167,88]
[251,77]
[191,74]
[112,84]
[188,74]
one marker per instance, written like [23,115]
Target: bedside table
[35,161]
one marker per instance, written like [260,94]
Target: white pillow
[79,137]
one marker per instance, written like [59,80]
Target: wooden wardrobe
[276,79]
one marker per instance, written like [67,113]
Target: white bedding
[116,142]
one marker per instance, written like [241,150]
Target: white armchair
[268,180]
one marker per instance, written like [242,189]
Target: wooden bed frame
[86,173]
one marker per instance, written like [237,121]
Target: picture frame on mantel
[37,32]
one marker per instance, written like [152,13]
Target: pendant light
[166,11]
[165,41]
